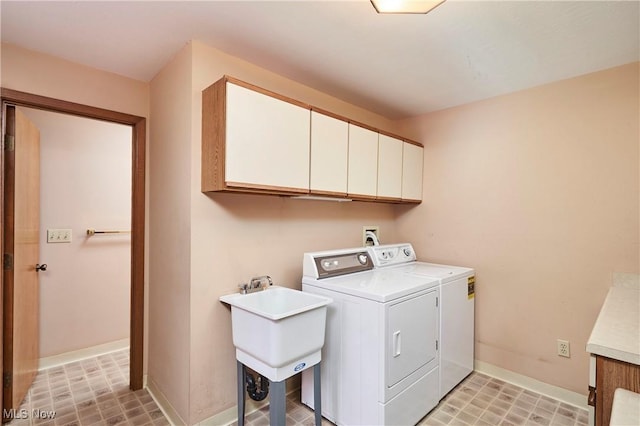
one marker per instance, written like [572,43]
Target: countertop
[616,333]
[626,408]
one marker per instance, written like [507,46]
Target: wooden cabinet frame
[610,375]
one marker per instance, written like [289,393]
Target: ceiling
[395,65]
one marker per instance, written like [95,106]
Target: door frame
[139,128]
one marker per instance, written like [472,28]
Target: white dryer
[457,310]
[380,358]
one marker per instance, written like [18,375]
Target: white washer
[380,357]
[457,296]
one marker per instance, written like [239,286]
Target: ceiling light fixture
[405,6]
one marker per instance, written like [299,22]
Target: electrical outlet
[367,241]
[58,235]
[563,348]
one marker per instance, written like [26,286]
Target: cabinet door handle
[397,342]
[591,400]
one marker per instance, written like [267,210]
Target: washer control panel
[340,264]
[392,254]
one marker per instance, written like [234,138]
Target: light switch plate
[58,235]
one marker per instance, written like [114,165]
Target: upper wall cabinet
[389,168]
[257,141]
[253,140]
[329,153]
[412,163]
[363,162]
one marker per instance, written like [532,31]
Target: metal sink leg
[277,403]
[316,394]
[241,393]
[278,398]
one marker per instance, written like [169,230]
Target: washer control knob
[362,258]
[407,252]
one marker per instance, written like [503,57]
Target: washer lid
[444,273]
[378,285]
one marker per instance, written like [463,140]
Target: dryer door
[412,330]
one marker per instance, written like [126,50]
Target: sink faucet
[256,284]
[257,281]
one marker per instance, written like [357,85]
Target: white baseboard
[79,355]
[163,403]
[555,392]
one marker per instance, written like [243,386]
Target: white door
[412,331]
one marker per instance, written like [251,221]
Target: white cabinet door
[389,167]
[363,161]
[329,153]
[267,141]
[412,163]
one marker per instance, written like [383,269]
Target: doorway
[138,126]
[85,184]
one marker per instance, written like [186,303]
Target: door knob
[40,267]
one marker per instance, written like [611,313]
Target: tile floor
[478,400]
[483,400]
[94,391]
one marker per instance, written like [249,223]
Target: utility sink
[278,332]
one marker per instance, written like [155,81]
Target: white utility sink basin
[278,332]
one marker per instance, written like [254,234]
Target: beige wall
[537,190]
[45,75]
[85,182]
[170,232]
[228,238]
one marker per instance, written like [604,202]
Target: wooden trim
[413,143]
[265,92]
[56,105]
[270,188]
[2,248]
[389,199]
[137,206]
[360,197]
[328,193]
[391,135]
[8,185]
[136,350]
[213,137]
[330,114]
[365,126]
[411,201]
